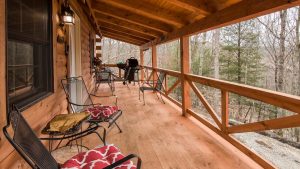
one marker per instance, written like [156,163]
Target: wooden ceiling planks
[104,25]
[157,21]
[124,34]
[121,39]
[142,9]
[121,23]
[122,14]
[202,7]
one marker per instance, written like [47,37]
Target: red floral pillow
[102,112]
[97,159]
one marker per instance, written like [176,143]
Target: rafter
[122,14]
[123,34]
[124,31]
[145,9]
[201,7]
[129,31]
[124,24]
[120,39]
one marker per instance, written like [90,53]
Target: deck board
[165,139]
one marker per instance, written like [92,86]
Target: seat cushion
[102,112]
[65,122]
[97,159]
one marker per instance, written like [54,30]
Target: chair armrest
[130,156]
[116,102]
[85,104]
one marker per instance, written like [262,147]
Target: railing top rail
[279,99]
[167,71]
[283,100]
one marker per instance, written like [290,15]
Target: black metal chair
[154,86]
[104,76]
[31,148]
[79,100]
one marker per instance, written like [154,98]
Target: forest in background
[262,52]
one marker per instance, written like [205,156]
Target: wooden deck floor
[164,139]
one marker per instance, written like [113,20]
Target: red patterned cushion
[99,112]
[97,159]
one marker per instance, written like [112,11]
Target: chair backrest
[27,144]
[160,80]
[77,93]
[102,76]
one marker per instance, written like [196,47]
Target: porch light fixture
[67,14]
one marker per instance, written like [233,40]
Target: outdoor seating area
[160,84]
[162,138]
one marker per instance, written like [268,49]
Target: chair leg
[157,95]
[144,97]
[139,94]
[118,127]
[162,98]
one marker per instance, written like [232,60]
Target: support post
[154,63]
[142,64]
[185,68]
[225,111]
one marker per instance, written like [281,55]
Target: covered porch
[171,135]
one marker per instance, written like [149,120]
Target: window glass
[29,56]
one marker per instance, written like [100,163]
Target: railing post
[142,64]
[225,111]
[185,68]
[154,63]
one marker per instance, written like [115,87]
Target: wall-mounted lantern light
[67,14]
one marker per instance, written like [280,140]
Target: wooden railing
[281,100]
[222,128]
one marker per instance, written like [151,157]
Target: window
[29,53]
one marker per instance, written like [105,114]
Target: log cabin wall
[40,113]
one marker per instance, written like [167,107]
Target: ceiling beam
[238,12]
[124,34]
[120,39]
[115,21]
[201,7]
[146,9]
[223,4]
[122,14]
[123,37]
[128,31]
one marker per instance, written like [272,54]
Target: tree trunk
[239,66]
[282,36]
[239,52]
[298,49]
[202,52]
[297,129]
[216,55]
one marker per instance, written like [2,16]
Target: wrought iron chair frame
[44,159]
[110,80]
[110,121]
[157,86]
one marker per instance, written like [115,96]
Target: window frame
[32,99]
